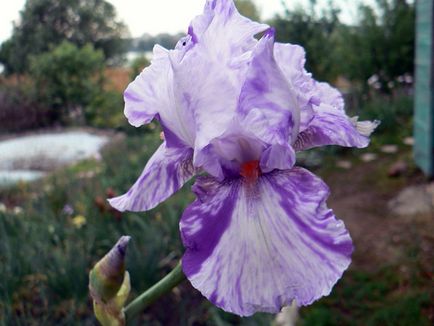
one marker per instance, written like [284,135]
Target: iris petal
[152,94]
[259,247]
[165,173]
[266,89]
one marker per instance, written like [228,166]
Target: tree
[47,23]
[382,43]
[68,78]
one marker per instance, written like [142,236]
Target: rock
[397,169]
[408,141]
[389,149]
[414,200]
[344,164]
[368,157]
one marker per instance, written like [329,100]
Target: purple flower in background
[259,235]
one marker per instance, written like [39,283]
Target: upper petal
[291,59]
[164,174]
[152,93]
[209,76]
[266,89]
[224,30]
[258,247]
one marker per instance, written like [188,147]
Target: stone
[397,169]
[409,141]
[344,164]
[389,149]
[368,157]
[414,200]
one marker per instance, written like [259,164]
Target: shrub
[19,109]
[68,78]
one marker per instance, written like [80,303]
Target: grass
[45,257]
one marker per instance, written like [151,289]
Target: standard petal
[165,173]
[222,28]
[267,89]
[258,247]
[209,75]
[291,59]
[331,126]
[152,94]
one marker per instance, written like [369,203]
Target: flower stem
[165,285]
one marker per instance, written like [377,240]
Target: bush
[69,78]
[19,109]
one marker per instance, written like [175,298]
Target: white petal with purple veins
[152,94]
[257,247]
[331,126]
[267,89]
[165,173]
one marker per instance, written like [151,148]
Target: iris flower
[236,110]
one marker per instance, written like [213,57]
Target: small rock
[368,157]
[344,164]
[389,149]
[413,200]
[409,141]
[397,169]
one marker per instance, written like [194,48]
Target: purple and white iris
[259,235]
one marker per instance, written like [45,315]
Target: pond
[31,157]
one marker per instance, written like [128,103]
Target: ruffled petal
[224,30]
[209,75]
[330,95]
[165,173]
[257,247]
[267,89]
[151,94]
[331,126]
[291,59]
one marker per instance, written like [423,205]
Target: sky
[162,16]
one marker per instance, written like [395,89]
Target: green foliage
[46,23]
[105,110]
[248,8]
[382,42]
[68,78]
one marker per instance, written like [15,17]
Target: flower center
[250,170]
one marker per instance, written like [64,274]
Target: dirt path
[360,197]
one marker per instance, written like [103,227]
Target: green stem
[165,285]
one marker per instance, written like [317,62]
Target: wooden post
[424,87]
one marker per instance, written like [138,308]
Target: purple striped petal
[210,74]
[151,94]
[257,247]
[266,89]
[331,126]
[223,29]
[291,59]
[165,173]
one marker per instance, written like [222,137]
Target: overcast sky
[159,16]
